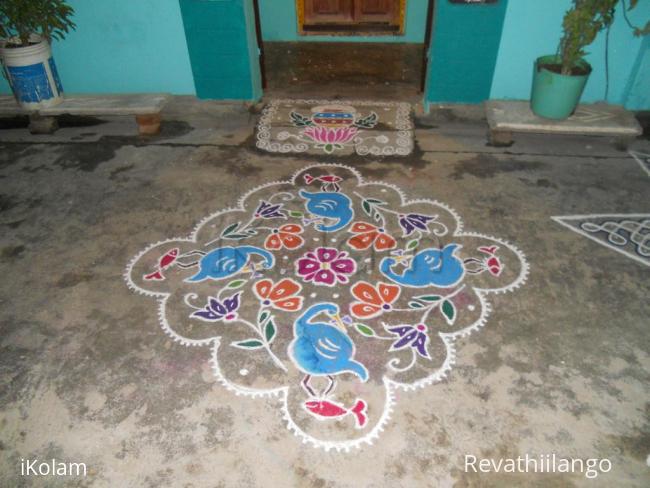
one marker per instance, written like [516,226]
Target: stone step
[505,117]
[146,107]
[131,104]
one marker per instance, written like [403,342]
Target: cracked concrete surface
[563,365]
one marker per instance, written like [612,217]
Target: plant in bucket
[560,79]
[26,30]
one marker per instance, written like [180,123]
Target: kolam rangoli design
[330,293]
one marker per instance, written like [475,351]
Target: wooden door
[376,11]
[329,12]
[351,13]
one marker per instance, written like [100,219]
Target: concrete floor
[87,375]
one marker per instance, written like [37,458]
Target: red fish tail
[360,413]
[490,250]
[308,178]
[155,276]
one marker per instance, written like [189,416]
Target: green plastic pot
[556,96]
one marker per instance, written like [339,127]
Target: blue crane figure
[224,262]
[332,206]
[322,349]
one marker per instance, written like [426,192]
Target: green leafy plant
[51,19]
[581,25]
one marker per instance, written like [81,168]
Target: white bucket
[32,74]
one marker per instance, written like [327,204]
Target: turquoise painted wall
[463,51]
[279,23]
[533,28]
[223,49]
[637,91]
[123,46]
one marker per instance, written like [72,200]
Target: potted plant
[559,79]
[26,29]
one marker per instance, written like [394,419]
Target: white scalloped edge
[390,385]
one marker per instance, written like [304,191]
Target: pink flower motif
[325,266]
[329,138]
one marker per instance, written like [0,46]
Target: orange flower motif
[280,295]
[367,235]
[286,236]
[373,300]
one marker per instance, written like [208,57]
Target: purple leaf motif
[215,310]
[410,336]
[411,222]
[267,210]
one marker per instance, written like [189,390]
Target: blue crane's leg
[184,265]
[330,386]
[305,385]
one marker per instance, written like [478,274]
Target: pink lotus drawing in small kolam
[330,139]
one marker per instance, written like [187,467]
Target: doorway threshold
[346,70]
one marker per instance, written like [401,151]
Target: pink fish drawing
[328,182]
[491,250]
[327,409]
[165,262]
[493,263]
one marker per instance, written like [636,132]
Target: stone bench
[507,117]
[145,107]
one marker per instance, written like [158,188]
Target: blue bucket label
[30,83]
[55,75]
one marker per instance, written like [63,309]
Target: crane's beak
[249,267]
[339,322]
[405,259]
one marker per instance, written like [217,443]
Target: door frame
[428,36]
[260,42]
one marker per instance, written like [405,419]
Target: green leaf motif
[230,229]
[229,232]
[367,122]
[263,316]
[412,244]
[269,331]
[368,205]
[365,330]
[236,284]
[366,208]
[248,344]
[295,213]
[415,305]
[429,298]
[300,120]
[449,311]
